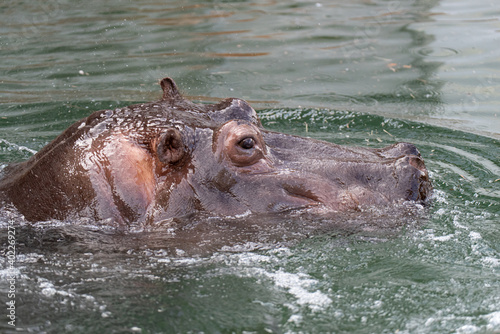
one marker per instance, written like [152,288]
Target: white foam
[9,273]
[440,212]
[48,289]
[246,247]
[490,261]
[443,238]
[439,196]
[475,236]
[295,319]
[12,146]
[493,320]
[299,285]
[467,329]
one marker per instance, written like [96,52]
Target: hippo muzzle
[154,161]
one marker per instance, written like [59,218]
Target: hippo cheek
[122,176]
[133,178]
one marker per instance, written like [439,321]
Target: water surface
[365,73]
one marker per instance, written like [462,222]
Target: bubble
[437,52]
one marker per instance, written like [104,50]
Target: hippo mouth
[302,198]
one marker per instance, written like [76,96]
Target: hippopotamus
[150,162]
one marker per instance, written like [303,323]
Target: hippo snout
[415,176]
[412,164]
[345,178]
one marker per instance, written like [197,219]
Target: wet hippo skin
[149,162]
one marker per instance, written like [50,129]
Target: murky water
[359,73]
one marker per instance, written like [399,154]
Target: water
[357,73]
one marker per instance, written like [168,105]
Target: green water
[354,73]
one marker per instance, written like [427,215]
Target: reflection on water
[414,59]
[463,39]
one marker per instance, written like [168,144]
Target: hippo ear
[170,147]
[170,91]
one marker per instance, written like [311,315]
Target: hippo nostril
[418,163]
[400,149]
[408,148]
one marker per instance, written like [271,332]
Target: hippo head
[150,162]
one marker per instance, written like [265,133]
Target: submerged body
[147,163]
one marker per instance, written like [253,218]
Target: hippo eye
[241,143]
[247,143]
